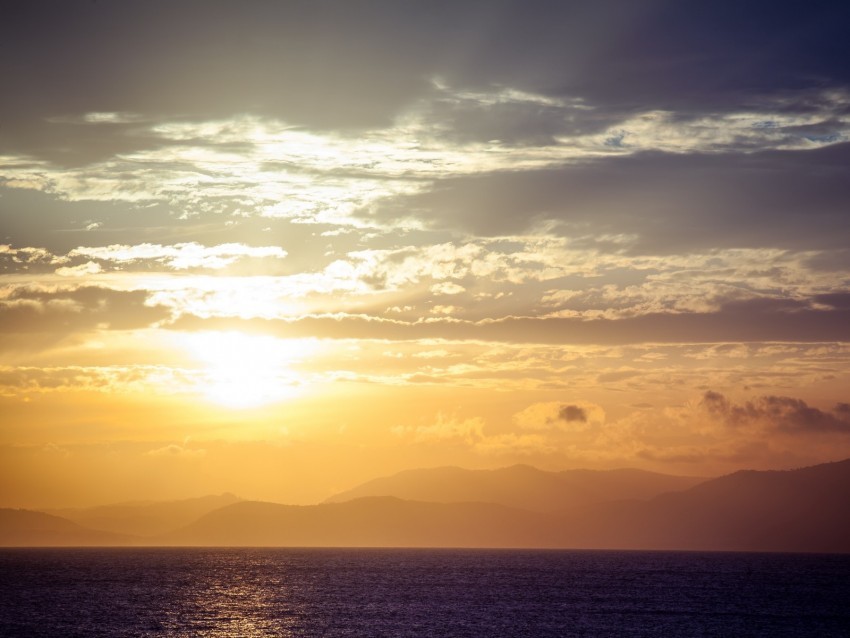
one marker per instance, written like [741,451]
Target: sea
[371,593]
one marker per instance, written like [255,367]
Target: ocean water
[443,593]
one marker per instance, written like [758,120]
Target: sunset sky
[280,248]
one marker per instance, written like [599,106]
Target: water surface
[393,592]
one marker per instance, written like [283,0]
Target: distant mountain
[145,518]
[369,522]
[521,486]
[26,528]
[806,510]
[798,510]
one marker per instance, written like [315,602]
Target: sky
[281,248]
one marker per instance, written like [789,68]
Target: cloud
[542,191]
[82,270]
[447,288]
[445,429]
[470,433]
[28,310]
[572,417]
[493,140]
[546,277]
[160,379]
[377,57]
[759,320]
[569,413]
[175,451]
[415,173]
[178,256]
[24,259]
[777,413]
[668,202]
[837,300]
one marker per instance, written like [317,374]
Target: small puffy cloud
[175,451]
[447,288]
[88,268]
[444,429]
[469,433]
[446,310]
[577,416]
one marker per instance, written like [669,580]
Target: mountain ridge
[144,518]
[30,528]
[520,485]
[801,510]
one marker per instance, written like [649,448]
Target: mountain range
[145,518]
[521,486]
[803,510]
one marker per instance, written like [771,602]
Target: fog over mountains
[805,510]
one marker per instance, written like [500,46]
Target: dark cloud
[670,203]
[33,218]
[831,261]
[517,122]
[838,300]
[570,413]
[30,218]
[357,63]
[784,414]
[64,312]
[756,320]
[333,64]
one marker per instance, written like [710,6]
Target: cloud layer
[571,233]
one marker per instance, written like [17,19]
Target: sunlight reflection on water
[374,593]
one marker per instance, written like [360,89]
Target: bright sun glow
[244,371]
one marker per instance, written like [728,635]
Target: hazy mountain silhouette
[521,486]
[145,518]
[797,510]
[370,522]
[800,510]
[805,510]
[26,528]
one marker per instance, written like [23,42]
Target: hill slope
[26,528]
[145,518]
[797,510]
[520,486]
[369,522]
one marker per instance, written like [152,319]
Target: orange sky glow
[399,255]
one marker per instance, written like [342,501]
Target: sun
[243,370]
